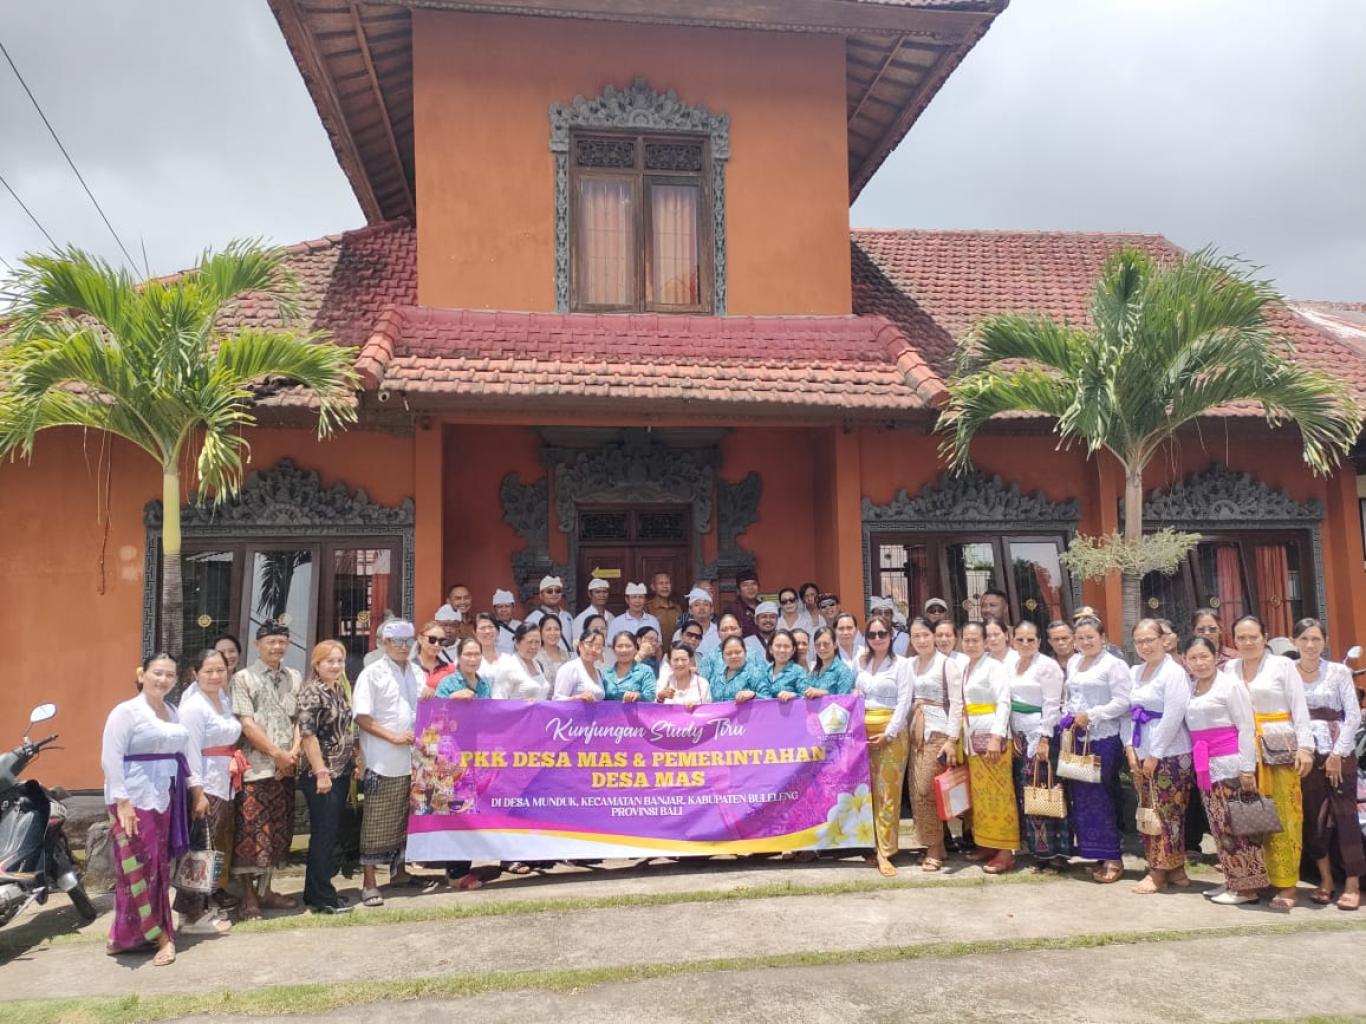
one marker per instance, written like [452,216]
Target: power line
[31,216]
[71,163]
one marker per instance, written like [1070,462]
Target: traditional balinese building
[610,319]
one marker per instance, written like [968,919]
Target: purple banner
[508,780]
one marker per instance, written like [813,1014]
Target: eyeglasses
[1202,630]
[1144,640]
[435,639]
[877,634]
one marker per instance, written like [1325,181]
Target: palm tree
[1168,343]
[88,346]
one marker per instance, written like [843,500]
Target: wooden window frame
[1198,587]
[641,179]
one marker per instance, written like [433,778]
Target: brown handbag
[1278,748]
[1046,801]
[1253,816]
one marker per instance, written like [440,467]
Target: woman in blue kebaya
[829,673]
[627,679]
[785,678]
[465,683]
[731,676]
[727,626]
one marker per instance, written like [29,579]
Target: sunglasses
[877,634]
[693,636]
[553,590]
[788,600]
[435,639]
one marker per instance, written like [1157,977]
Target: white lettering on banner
[676,731]
[566,729]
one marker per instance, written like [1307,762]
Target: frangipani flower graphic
[851,818]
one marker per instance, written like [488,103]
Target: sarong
[1331,828]
[264,824]
[886,769]
[1283,849]
[1092,807]
[142,880]
[929,830]
[1241,858]
[995,816]
[1169,791]
[1044,838]
[218,826]
[384,818]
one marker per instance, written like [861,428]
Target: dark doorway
[622,544]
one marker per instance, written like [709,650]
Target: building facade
[611,320]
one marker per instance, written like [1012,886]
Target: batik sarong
[142,880]
[1241,858]
[886,768]
[995,815]
[1168,793]
[264,825]
[1092,807]
[384,818]
[1331,828]
[1283,849]
[929,830]
[218,827]
[1044,838]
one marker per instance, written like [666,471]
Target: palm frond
[1031,339]
[326,370]
[976,399]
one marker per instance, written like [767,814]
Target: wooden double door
[624,544]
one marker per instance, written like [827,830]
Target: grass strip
[322,998]
[453,911]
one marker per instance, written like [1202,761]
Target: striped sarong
[142,880]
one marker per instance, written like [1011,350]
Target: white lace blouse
[1277,688]
[887,684]
[514,681]
[210,726]
[941,685]
[1226,703]
[1332,690]
[1039,685]
[1166,693]
[573,678]
[1101,689]
[985,684]
[134,728]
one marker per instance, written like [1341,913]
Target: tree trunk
[1133,534]
[172,594]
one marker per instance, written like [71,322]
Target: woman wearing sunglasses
[885,682]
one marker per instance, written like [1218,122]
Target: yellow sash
[981,709]
[876,720]
[1263,769]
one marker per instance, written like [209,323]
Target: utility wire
[31,216]
[71,163]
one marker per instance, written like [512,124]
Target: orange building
[611,318]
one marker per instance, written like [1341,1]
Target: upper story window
[639,219]
[640,203]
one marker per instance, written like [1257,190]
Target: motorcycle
[35,857]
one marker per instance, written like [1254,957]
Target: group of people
[1191,717]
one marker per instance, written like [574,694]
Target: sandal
[165,955]
[1349,901]
[371,898]
[931,864]
[208,923]
[1284,904]
[1001,863]
[885,867]
[278,901]
[518,868]
[1108,873]
[1321,896]
[468,883]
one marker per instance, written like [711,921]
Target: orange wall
[78,647]
[485,173]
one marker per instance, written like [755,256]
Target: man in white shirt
[765,623]
[597,605]
[502,603]
[551,602]
[635,617]
[384,702]
[457,614]
[700,610]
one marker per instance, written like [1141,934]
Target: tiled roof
[952,279]
[851,364]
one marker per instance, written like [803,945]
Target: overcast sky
[1235,122]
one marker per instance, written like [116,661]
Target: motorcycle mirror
[42,713]
[1354,652]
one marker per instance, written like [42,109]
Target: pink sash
[1221,741]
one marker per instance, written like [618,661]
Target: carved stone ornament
[526,510]
[1221,496]
[967,500]
[632,471]
[638,109]
[283,501]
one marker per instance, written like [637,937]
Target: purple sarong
[1092,807]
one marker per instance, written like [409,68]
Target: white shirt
[852,660]
[1226,703]
[1010,659]
[941,684]
[626,622]
[566,623]
[1275,688]
[696,691]
[889,684]
[802,620]
[1101,690]
[755,648]
[573,678]
[210,726]
[503,644]
[1333,690]
[488,670]
[1040,685]
[388,694]
[1166,693]
[582,618]
[985,684]
[134,728]
[711,639]
[515,681]
[901,643]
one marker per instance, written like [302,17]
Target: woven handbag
[1147,819]
[1253,816]
[1083,767]
[1046,801]
[199,870]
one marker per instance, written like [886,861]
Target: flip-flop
[1321,896]
[165,956]
[931,864]
[1349,901]
[468,883]
[371,898]
[1284,904]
